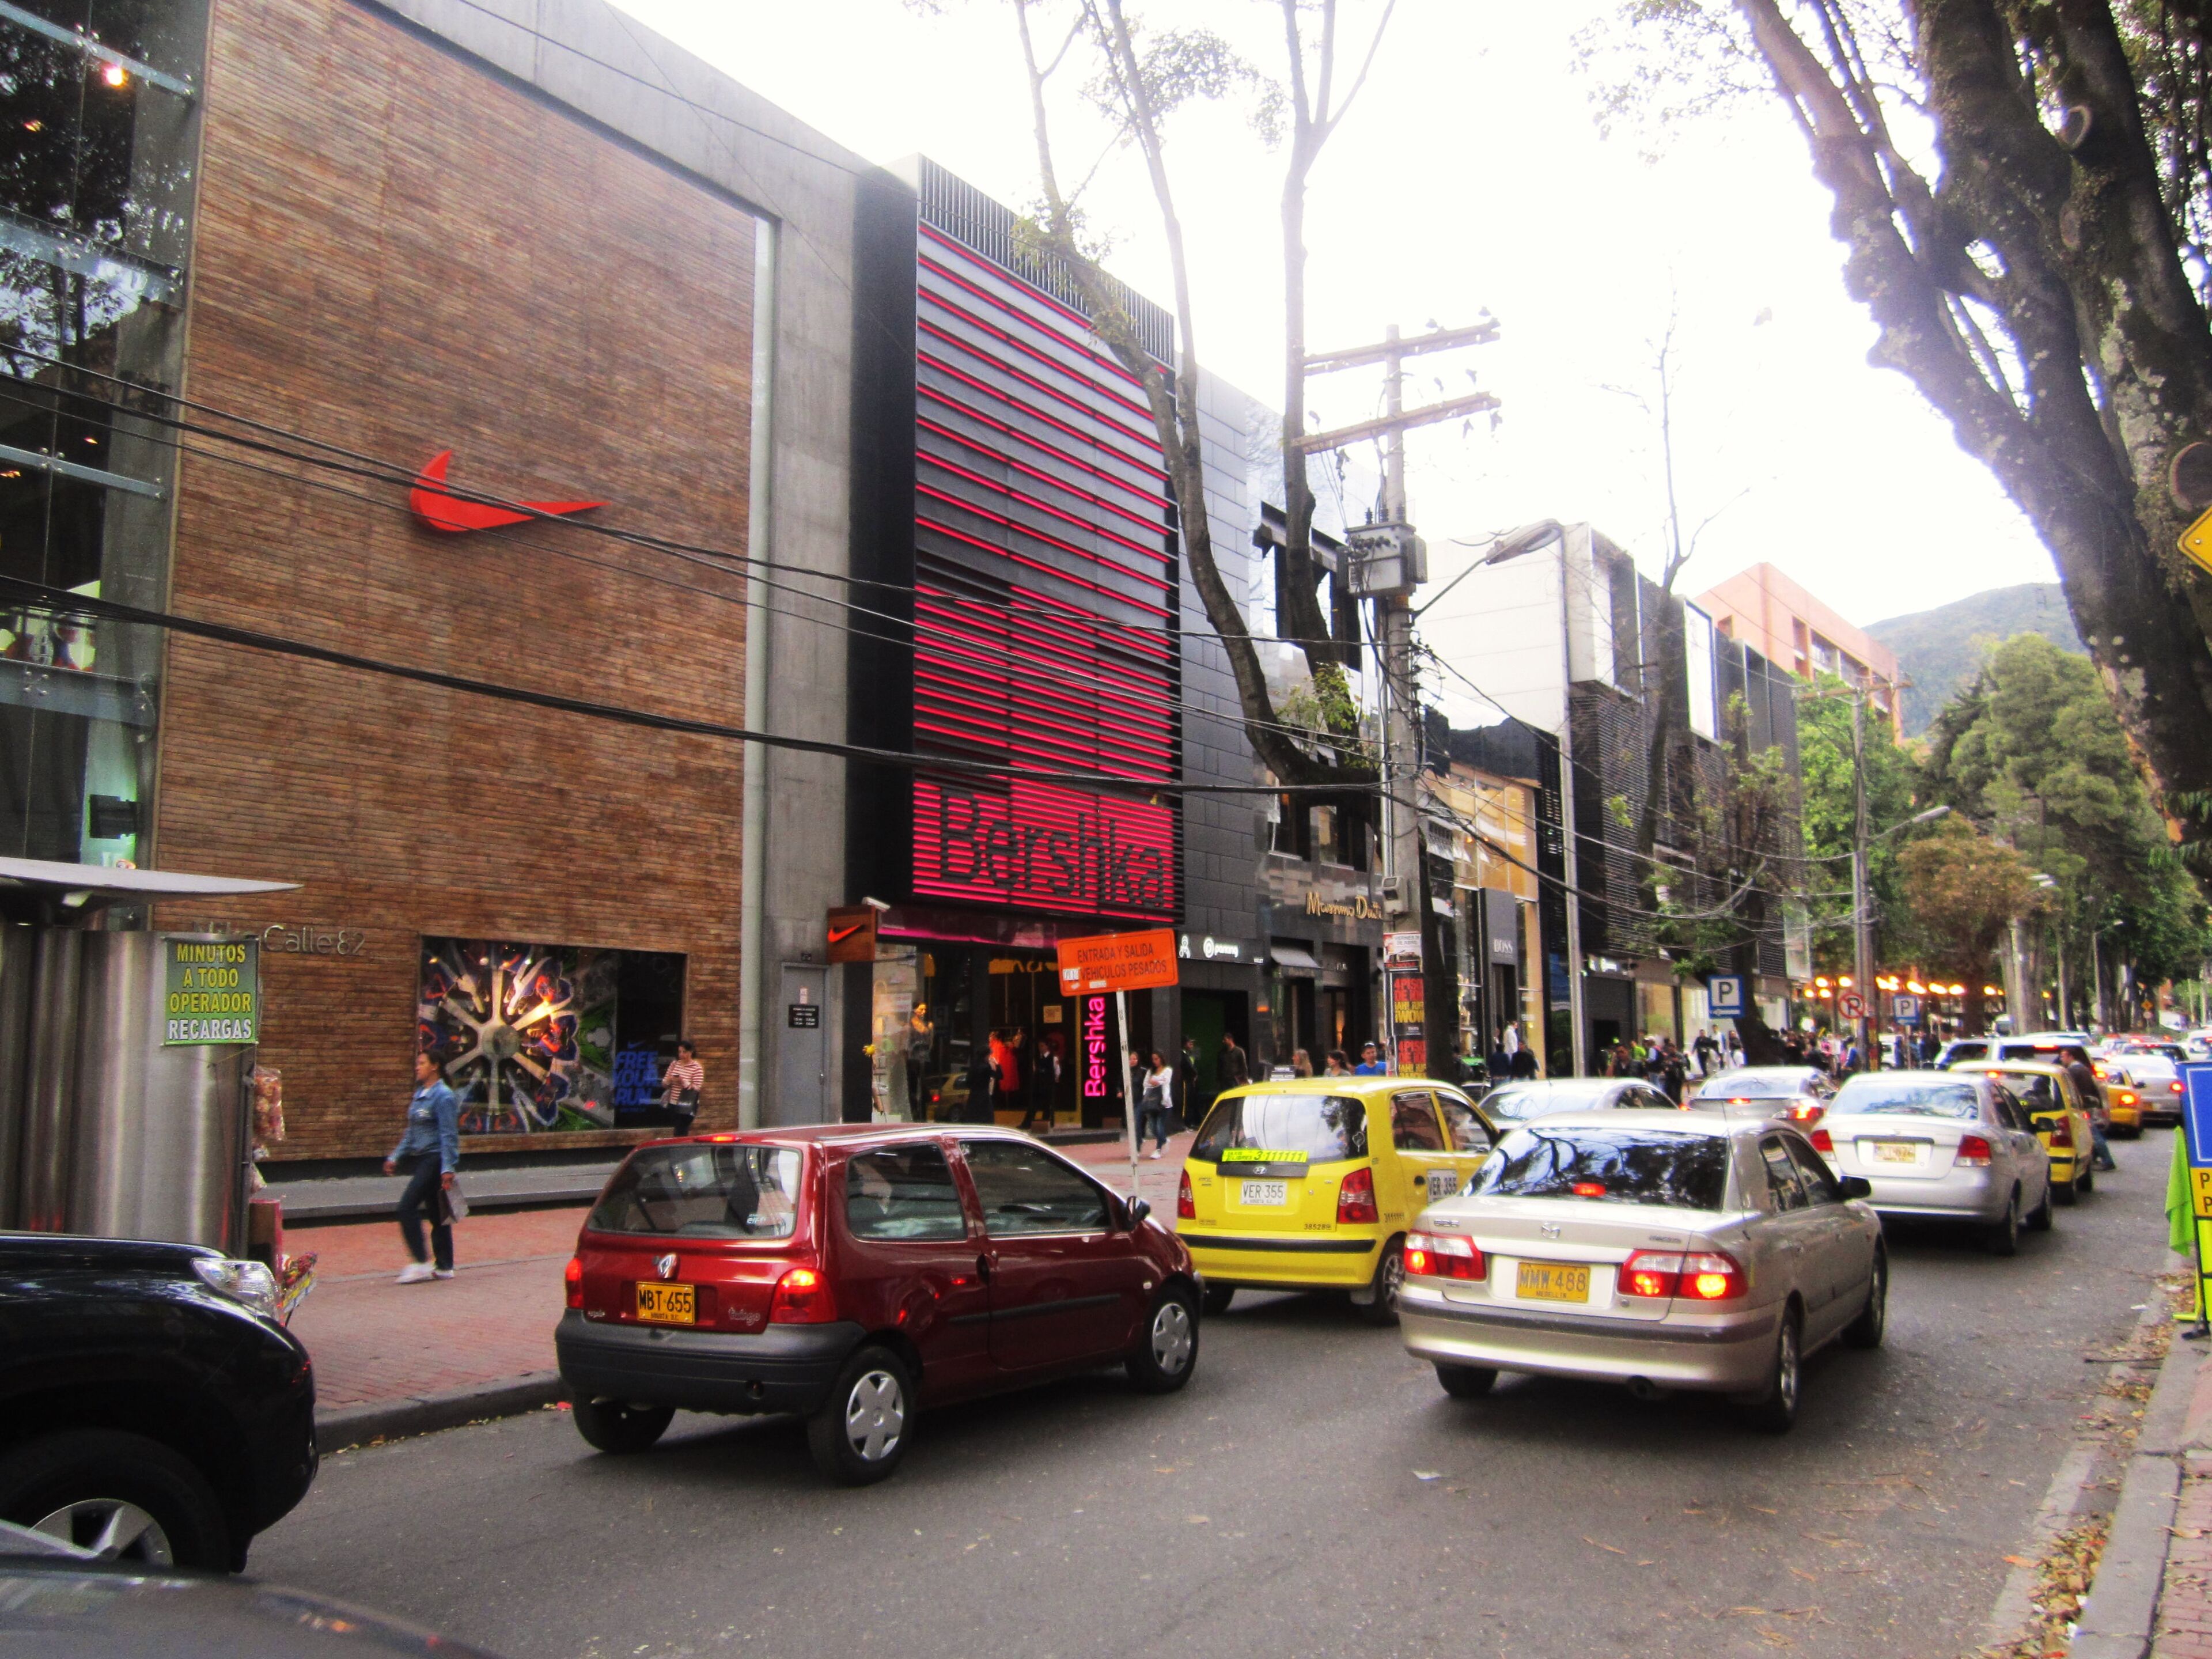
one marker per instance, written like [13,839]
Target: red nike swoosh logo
[837,934]
[437,508]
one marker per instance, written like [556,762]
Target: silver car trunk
[1544,1234]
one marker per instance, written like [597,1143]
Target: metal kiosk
[126,1058]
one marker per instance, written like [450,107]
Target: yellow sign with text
[2200,1181]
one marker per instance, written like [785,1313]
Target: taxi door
[1422,1169]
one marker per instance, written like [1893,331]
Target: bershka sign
[1042,847]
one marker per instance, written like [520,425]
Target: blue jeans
[1153,1121]
[421,1201]
[2101,1156]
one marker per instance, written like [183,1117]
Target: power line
[54,601]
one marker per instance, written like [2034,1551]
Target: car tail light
[575,1279]
[1186,1205]
[1355,1199]
[2061,1134]
[1823,1141]
[1808,1111]
[1700,1276]
[1973,1151]
[1590,1190]
[1444,1255]
[2127,1097]
[802,1298]
[2174,1087]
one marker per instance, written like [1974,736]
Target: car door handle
[983,1268]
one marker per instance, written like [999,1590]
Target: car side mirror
[1136,1209]
[1856,1186]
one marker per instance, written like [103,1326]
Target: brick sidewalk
[375,1342]
[2185,1600]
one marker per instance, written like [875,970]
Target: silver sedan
[1696,1251]
[1945,1146]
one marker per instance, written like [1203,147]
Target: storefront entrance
[980,1034]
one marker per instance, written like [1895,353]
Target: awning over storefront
[38,890]
[1292,955]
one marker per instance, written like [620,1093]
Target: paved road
[1312,1493]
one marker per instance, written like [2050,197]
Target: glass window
[902,1193]
[1812,1170]
[1025,1189]
[556,1038]
[2034,1091]
[712,1190]
[96,196]
[1467,1135]
[1879,1095]
[1674,1168]
[1413,1124]
[2007,1108]
[1526,1100]
[1782,1183]
[1326,1128]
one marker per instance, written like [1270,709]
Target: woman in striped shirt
[681,1083]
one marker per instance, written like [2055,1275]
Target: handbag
[454,1200]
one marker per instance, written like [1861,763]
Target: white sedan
[1943,1145]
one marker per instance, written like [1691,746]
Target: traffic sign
[1725,998]
[1117,962]
[1849,1005]
[2196,541]
[1905,1010]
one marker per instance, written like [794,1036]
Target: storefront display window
[543,1038]
[96,191]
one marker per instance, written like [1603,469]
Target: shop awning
[1292,955]
[38,890]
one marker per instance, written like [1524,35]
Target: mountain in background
[1940,650]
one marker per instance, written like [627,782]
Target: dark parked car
[854,1274]
[55,1598]
[152,1409]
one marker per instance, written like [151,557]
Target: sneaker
[442,1273]
[415,1273]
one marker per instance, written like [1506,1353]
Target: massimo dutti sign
[1357,907]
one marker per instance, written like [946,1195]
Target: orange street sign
[1117,962]
[2197,542]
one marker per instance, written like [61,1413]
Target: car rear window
[1326,1128]
[1675,1169]
[1875,1096]
[1534,1100]
[711,1190]
[1752,1085]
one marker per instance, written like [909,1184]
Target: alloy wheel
[1393,1281]
[875,1416]
[1785,1367]
[112,1528]
[1173,1342]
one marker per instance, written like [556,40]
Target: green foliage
[2031,748]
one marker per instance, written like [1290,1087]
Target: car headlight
[247,1282]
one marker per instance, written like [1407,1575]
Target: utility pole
[1862,917]
[1386,563]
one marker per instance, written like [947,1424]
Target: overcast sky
[1471,175]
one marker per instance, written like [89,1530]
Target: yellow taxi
[1310,1183]
[2058,1114]
[2124,1106]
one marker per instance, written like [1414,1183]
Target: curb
[2121,1613]
[425,1413]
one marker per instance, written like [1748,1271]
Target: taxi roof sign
[1117,962]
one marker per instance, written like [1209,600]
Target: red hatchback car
[851,1273]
